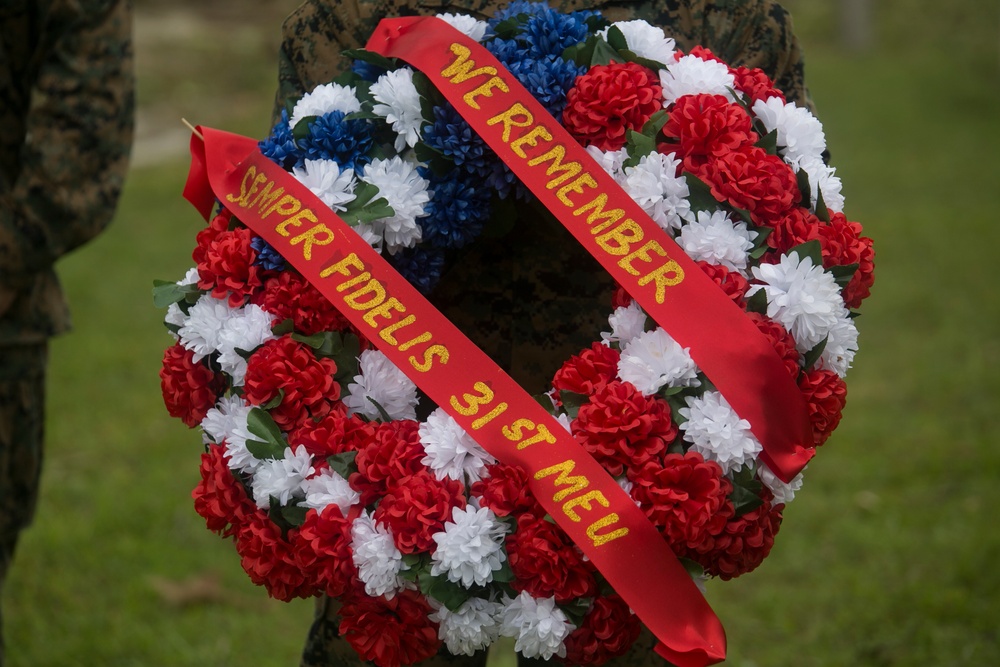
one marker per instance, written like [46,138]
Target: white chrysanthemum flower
[247,329]
[399,104]
[467,25]
[692,76]
[717,432]
[800,134]
[329,488]
[645,40]
[451,452]
[470,548]
[654,186]
[406,193]
[203,326]
[325,99]
[325,179]
[610,161]
[626,322]
[783,493]
[539,626]
[381,381]
[473,627]
[368,235]
[227,423]
[625,485]
[190,278]
[716,239]
[802,297]
[282,478]
[841,345]
[176,317]
[653,359]
[565,421]
[375,555]
[822,178]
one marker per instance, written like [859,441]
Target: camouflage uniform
[66,109]
[532,309]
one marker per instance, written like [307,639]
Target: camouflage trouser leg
[325,648]
[22,402]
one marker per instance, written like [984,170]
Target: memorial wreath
[661,455]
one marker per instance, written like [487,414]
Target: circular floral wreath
[315,463]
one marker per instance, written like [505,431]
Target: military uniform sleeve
[79,132]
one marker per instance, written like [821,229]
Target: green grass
[887,557]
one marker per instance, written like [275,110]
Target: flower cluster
[315,462]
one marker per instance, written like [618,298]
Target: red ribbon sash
[576,491]
[669,286]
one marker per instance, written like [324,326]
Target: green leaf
[371,58]
[301,129]
[510,27]
[604,54]
[381,410]
[347,357]
[843,274]
[821,210]
[810,249]
[652,127]
[638,145]
[365,208]
[746,490]
[805,189]
[577,609]
[769,142]
[446,592]
[283,327]
[633,57]
[272,443]
[274,402]
[572,401]
[343,463]
[758,302]
[504,575]
[166,293]
[813,355]
[616,38]
[701,198]
[295,515]
[583,53]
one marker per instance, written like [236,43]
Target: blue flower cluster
[420,266]
[457,212]
[280,147]
[268,258]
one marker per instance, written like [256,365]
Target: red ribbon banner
[574,489]
[670,287]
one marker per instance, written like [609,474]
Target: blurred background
[888,556]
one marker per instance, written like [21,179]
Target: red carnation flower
[742,544]
[732,283]
[417,506]
[392,453]
[392,632]
[323,550]
[622,428]
[608,101]
[269,559]
[621,298]
[704,126]
[227,266]
[219,497]
[334,434]
[546,563]
[288,295]
[190,389]
[285,365]
[587,372]
[216,226]
[781,340]
[826,394]
[698,51]
[608,631]
[794,228]
[755,83]
[751,179]
[686,497]
[842,245]
[506,491]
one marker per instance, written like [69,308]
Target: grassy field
[887,557]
